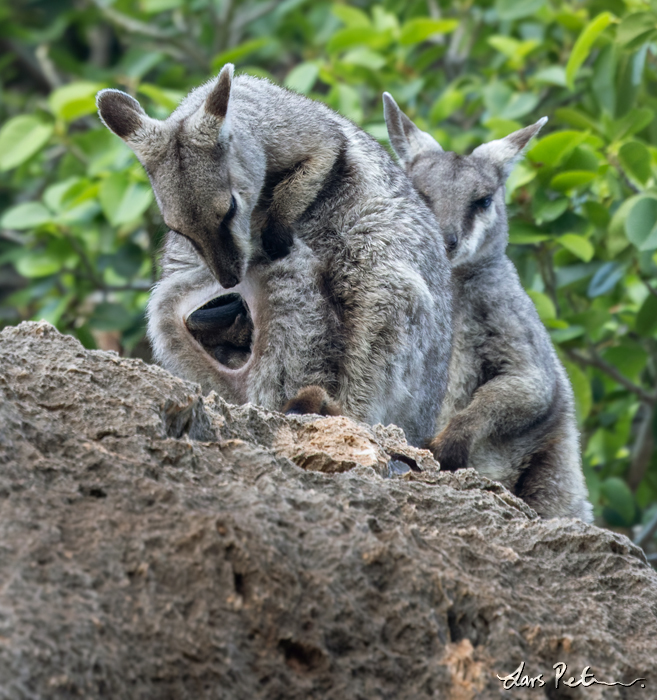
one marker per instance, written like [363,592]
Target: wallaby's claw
[452,449]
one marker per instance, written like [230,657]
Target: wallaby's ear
[507,151]
[124,116]
[211,118]
[406,139]
[120,113]
[216,103]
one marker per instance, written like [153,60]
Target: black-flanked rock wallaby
[299,256]
[509,407]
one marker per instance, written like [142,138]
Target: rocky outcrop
[158,544]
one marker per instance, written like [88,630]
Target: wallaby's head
[466,193]
[204,192]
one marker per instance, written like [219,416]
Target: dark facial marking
[230,214]
[484,202]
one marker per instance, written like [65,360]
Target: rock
[155,543]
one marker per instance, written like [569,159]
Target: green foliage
[79,227]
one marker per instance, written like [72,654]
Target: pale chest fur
[465,367]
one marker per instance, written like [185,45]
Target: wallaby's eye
[231,210]
[484,202]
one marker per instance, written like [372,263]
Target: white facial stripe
[468,246]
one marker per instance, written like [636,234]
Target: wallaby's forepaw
[312,399]
[276,239]
[451,448]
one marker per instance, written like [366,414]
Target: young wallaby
[509,408]
[329,257]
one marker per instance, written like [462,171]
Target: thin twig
[594,360]
[651,289]
[642,449]
[616,163]
[135,26]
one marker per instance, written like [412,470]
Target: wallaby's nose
[451,241]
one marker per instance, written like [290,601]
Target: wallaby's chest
[473,360]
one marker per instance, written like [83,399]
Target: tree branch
[594,360]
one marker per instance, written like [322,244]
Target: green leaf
[74,100]
[420,29]
[449,102]
[238,53]
[576,118]
[54,194]
[37,264]
[571,179]
[515,9]
[629,359]
[636,29]
[350,37]
[641,224]
[122,200]
[26,216]
[548,209]
[20,138]
[53,310]
[543,304]
[365,58]
[349,103]
[620,499]
[646,318]
[605,279]
[303,77]
[525,234]
[169,99]
[563,335]
[552,75]
[584,44]
[633,122]
[520,104]
[109,316]
[577,245]
[635,159]
[153,6]
[617,239]
[513,49]
[351,16]
[553,149]
[128,260]
[582,390]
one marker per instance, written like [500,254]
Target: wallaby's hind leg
[312,399]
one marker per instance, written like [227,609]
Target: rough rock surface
[158,544]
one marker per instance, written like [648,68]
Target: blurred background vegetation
[79,229]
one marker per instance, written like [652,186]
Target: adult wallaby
[299,255]
[509,408]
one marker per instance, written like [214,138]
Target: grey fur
[335,254]
[509,407]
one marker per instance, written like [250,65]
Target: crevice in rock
[301,657]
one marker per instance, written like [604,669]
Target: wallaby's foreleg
[503,406]
[292,196]
[312,399]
